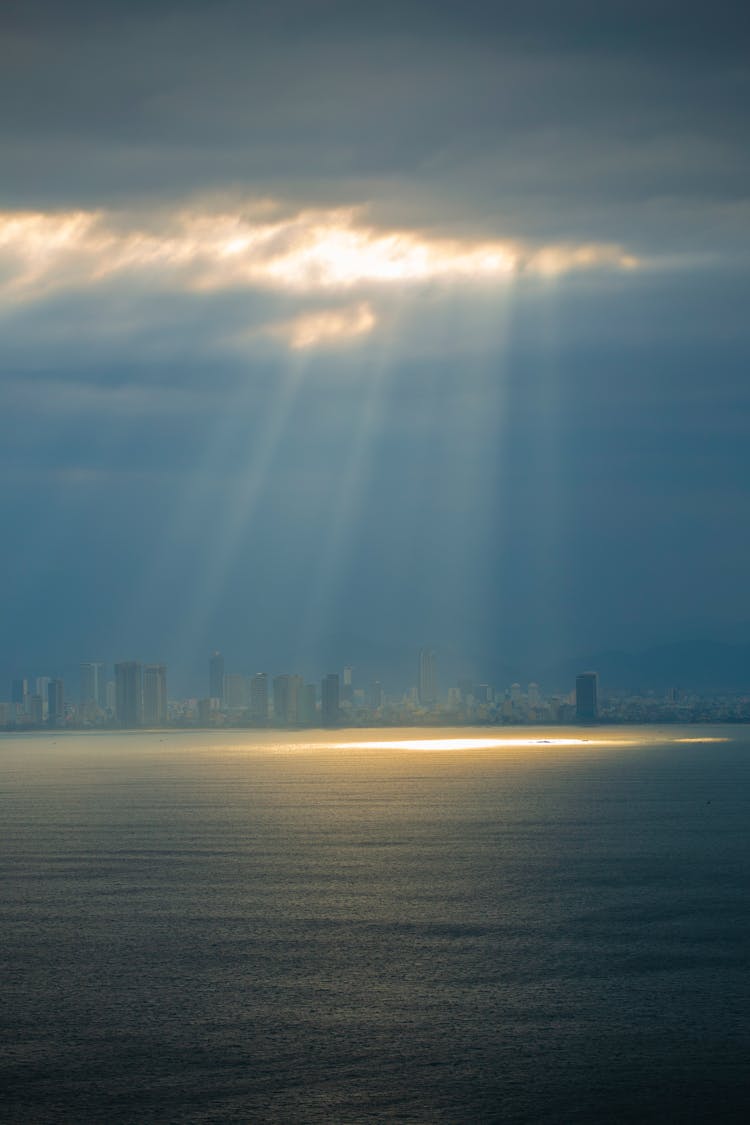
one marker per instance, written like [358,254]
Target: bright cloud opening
[303,255]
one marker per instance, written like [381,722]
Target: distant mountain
[705,667]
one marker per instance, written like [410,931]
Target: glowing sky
[332,330]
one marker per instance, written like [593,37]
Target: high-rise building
[36,710]
[128,694]
[55,702]
[286,695]
[587,684]
[216,677]
[93,685]
[155,695]
[375,696]
[307,709]
[281,698]
[42,683]
[329,700]
[427,678]
[259,697]
[19,691]
[235,691]
[347,688]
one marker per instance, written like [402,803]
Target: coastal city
[135,696]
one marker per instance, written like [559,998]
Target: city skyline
[137,698]
[700,665]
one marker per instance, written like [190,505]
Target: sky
[332,330]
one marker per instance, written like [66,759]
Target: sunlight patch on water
[473,743]
[456,741]
[700,740]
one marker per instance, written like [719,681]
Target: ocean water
[376,926]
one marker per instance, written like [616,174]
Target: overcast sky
[331,329]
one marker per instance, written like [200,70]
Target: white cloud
[329,326]
[310,254]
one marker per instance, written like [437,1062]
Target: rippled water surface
[368,926]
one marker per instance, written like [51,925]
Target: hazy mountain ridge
[705,667]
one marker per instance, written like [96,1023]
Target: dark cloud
[517,118]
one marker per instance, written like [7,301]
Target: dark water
[211,928]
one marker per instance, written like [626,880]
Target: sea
[464,925]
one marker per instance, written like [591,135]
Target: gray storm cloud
[620,124]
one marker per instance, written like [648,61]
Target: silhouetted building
[427,678]
[55,702]
[586,696]
[307,711]
[93,685]
[375,696]
[329,700]
[347,687]
[36,710]
[287,694]
[19,690]
[155,695]
[259,697]
[235,691]
[286,691]
[281,699]
[42,683]
[128,693]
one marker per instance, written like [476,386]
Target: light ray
[346,497]
[240,501]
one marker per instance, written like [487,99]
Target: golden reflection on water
[400,740]
[452,740]
[700,740]
[475,743]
